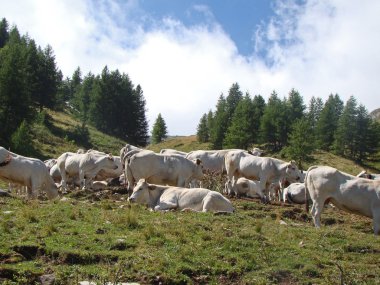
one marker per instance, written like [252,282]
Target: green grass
[99,236]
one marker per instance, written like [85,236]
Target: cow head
[292,171]
[198,171]
[141,193]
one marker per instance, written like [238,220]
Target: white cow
[295,193]
[264,169]
[212,160]
[50,163]
[173,151]
[247,187]
[256,151]
[163,198]
[30,172]
[156,168]
[127,151]
[85,165]
[355,195]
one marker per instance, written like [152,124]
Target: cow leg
[31,193]
[376,221]
[165,206]
[82,180]
[316,212]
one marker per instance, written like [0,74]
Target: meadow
[98,236]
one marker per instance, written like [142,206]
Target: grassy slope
[53,140]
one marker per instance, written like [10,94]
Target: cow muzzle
[131,200]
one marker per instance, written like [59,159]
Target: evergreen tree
[301,143]
[258,105]
[140,136]
[159,132]
[314,112]
[328,122]
[239,133]
[345,135]
[219,123]
[49,79]
[83,98]
[367,139]
[272,122]
[232,100]
[14,97]
[202,130]
[4,34]
[21,140]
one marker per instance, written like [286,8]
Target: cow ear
[198,161]
[152,187]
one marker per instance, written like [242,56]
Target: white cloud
[319,48]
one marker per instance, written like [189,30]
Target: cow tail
[306,189]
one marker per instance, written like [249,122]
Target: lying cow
[295,193]
[30,172]
[163,198]
[173,170]
[355,195]
[246,187]
[264,169]
[86,166]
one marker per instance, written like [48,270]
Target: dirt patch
[29,251]
[72,258]
[282,277]
[295,214]
[360,249]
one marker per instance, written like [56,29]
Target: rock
[48,279]
[282,222]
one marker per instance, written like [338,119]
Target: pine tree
[21,140]
[328,122]
[141,136]
[219,123]
[4,34]
[202,130]
[314,112]
[272,122]
[14,97]
[159,132]
[239,134]
[301,142]
[346,131]
[367,139]
[258,105]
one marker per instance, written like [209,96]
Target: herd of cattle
[173,180]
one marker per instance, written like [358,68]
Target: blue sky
[184,54]
[238,18]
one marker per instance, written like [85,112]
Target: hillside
[60,135]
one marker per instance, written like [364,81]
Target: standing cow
[30,172]
[355,195]
[162,169]
[84,165]
[265,169]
